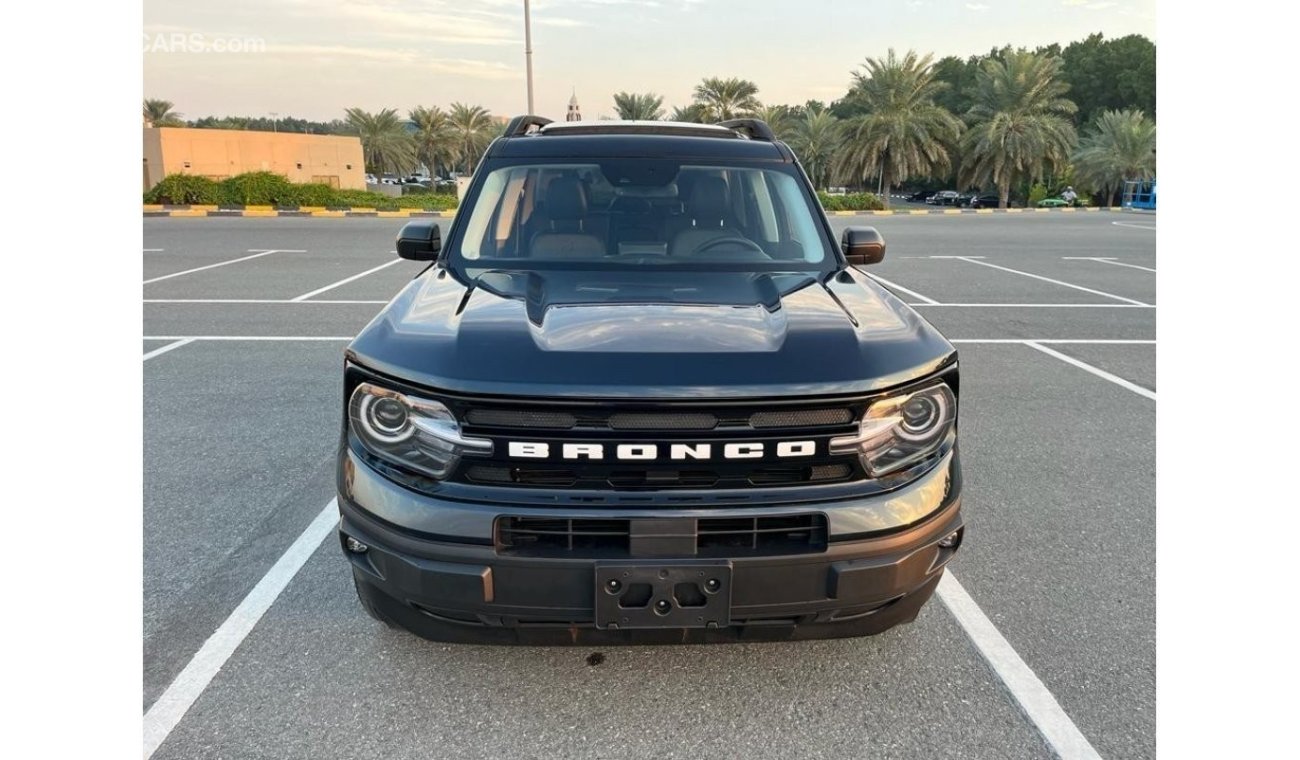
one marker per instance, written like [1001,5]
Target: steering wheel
[733,240]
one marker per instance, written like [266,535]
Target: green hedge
[851,202]
[184,188]
[270,189]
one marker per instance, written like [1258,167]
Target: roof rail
[616,127]
[522,125]
[754,129]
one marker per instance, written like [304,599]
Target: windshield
[640,213]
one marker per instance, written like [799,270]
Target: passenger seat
[566,236]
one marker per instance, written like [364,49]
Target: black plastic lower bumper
[469,593]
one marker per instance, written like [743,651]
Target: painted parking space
[239,440]
[917,688]
[264,468]
[1060,503]
[1136,363]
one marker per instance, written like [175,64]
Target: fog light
[950,541]
[356,547]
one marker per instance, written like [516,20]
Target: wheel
[367,603]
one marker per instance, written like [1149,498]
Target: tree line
[1009,121]
[1014,121]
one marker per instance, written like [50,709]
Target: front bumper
[463,589]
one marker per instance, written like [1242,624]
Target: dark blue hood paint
[734,335]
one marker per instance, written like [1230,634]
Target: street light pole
[528,54]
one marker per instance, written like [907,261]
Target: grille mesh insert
[662,421]
[801,418]
[521,419]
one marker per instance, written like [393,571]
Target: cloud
[977,7]
[1091,5]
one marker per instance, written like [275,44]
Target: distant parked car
[372,179]
[1052,203]
[921,196]
[964,199]
[944,198]
[985,201]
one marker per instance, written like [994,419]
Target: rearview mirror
[419,241]
[862,246]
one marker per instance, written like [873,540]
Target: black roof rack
[754,129]
[617,127]
[522,125]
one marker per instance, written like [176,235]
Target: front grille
[612,538]
[638,426]
[597,419]
[605,477]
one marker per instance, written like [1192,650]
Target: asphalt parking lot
[1054,315]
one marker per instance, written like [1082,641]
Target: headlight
[415,433]
[901,430]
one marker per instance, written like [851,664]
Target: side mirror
[419,241]
[862,246]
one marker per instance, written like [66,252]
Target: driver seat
[706,209]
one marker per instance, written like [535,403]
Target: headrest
[566,199]
[708,199]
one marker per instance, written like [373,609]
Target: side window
[475,241]
[766,228]
[798,234]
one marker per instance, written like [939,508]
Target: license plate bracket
[663,595]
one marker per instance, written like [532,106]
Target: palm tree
[904,132]
[473,129]
[776,117]
[1020,122]
[384,140]
[639,107]
[724,99]
[159,113]
[1121,145]
[815,140]
[434,141]
[694,113]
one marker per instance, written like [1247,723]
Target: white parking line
[1082,341]
[219,264]
[1103,374]
[164,349]
[260,301]
[153,250]
[900,288]
[165,713]
[1041,305]
[258,337]
[1107,260]
[1134,226]
[1054,282]
[318,291]
[1038,703]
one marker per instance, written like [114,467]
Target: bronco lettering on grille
[650,451]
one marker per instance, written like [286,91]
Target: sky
[314,58]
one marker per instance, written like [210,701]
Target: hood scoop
[661,328]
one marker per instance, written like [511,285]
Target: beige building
[334,160]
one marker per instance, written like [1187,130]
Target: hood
[650,335]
